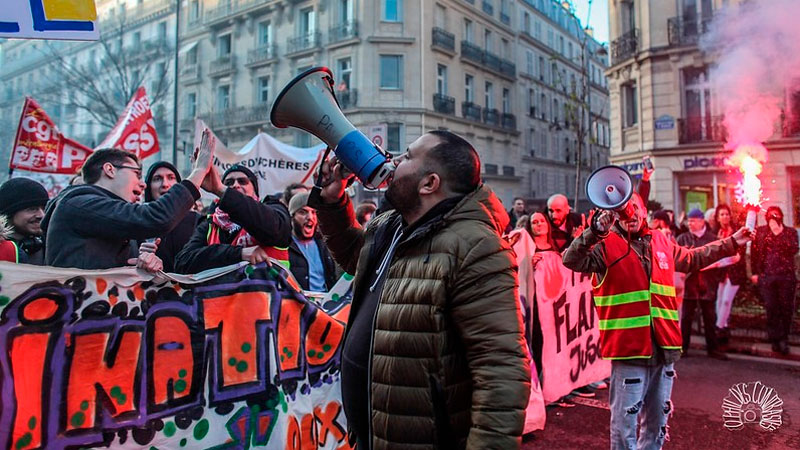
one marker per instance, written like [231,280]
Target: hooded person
[160,178]
[238,227]
[22,202]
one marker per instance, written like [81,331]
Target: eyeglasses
[243,181]
[136,169]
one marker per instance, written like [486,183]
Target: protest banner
[115,358]
[49,19]
[53,183]
[40,147]
[275,164]
[569,324]
[135,130]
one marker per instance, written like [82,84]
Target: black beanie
[148,197]
[249,173]
[17,194]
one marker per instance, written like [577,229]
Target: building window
[194,10]
[224,45]
[543,105]
[137,39]
[223,97]
[468,36]
[561,44]
[526,23]
[345,66]
[537,30]
[264,34]
[488,95]
[307,22]
[554,74]
[346,10]
[532,141]
[263,89]
[393,137]
[191,55]
[191,105]
[487,40]
[506,101]
[441,79]
[569,50]
[440,17]
[469,88]
[697,103]
[391,71]
[393,10]
[629,103]
[531,102]
[162,30]
[555,110]
[529,61]
[541,68]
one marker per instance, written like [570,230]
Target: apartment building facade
[664,105]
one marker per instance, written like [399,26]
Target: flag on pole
[40,147]
[135,130]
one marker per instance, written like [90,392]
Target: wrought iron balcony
[239,116]
[471,111]
[190,73]
[686,32]
[444,104]
[343,32]
[488,7]
[509,121]
[222,66]
[443,39]
[303,42]
[701,129]
[471,52]
[508,68]
[491,117]
[262,54]
[491,61]
[347,98]
[625,46]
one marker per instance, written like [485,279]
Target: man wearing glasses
[97,225]
[239,227]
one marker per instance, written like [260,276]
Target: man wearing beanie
[239,227]
[160,178]
[310,261]
[22,201]
[97,225]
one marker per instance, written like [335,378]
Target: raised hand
[335,178]
[602,222]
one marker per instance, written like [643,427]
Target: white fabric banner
[275,164]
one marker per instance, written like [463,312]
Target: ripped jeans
[640,394]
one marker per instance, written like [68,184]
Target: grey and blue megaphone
[611,187]
[308,102]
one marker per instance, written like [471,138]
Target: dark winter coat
[449,364]
[89,227]
[268,223]
[700,285]
[173,242]
[773,256]
[299,266]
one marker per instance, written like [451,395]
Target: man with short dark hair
[239,227]
[96,225]
[292,190]
[22,201]
[517,210]
[434,350]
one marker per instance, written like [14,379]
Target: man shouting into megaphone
[635,299]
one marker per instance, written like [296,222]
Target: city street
[697,423]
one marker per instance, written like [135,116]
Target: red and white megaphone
[611,187]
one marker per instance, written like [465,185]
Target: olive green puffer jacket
[450,368]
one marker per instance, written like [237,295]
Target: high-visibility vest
[279,253]
[629,304]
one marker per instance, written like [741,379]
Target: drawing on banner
[49,19]
[242,360]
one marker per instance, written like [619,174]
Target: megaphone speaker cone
[609,187]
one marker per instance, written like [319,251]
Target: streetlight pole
[175,85]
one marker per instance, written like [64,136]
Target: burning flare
[749,159]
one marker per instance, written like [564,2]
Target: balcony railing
[238,116]
[444,104]
[473,53]
[491,61]
[190,72]
[509,121]
[686,32]
[625,46]
[508,68]
[228,8]
[491,117]
[303,42]
[471,111]
[262,54]
[488,8]
[347,98]
[701,129]
[443,39]
[343,32]
[222,66]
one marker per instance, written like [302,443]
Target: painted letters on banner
[49,19]
[40,147]
[275,164]
[107,358]
[571,335]
[135,130]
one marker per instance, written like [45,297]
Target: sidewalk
[749,347]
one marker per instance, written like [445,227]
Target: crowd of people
[434,348]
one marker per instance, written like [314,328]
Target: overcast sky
[598,19]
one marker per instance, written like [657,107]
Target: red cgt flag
[136,130]
[40,147]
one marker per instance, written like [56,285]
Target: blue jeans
[640,394]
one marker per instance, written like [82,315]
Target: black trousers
[708,310]
[778,295]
